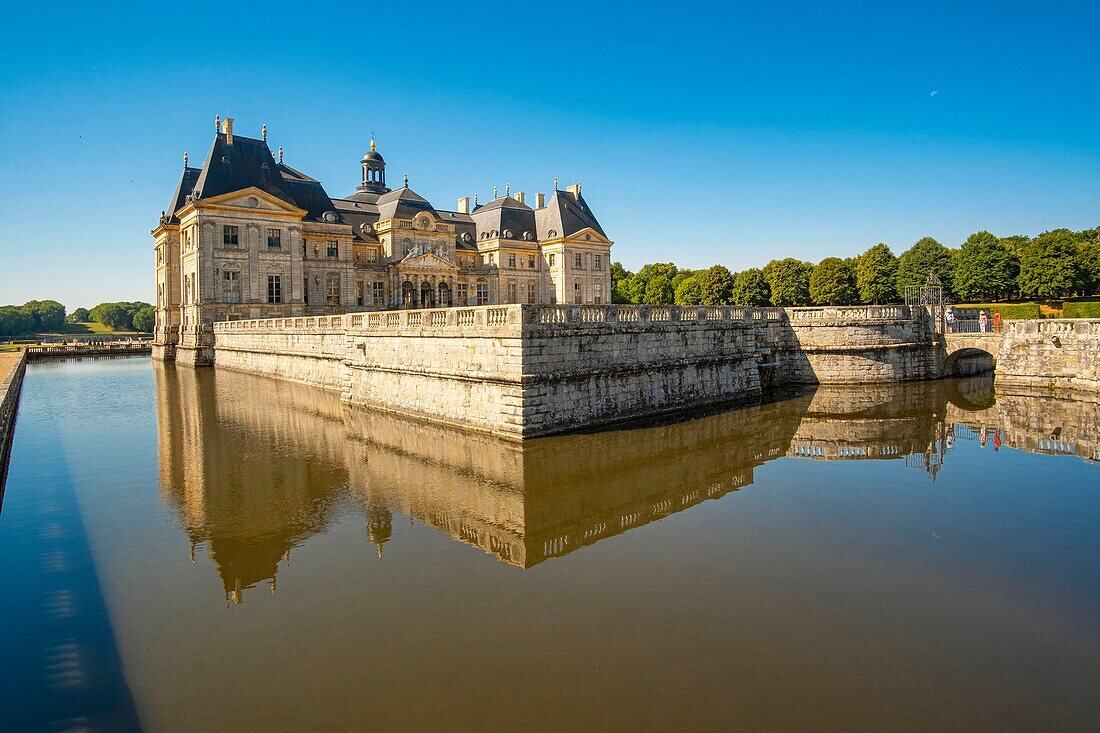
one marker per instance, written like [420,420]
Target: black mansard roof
[248,162]
[565,214]
[506,216]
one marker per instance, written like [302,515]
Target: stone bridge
[970,353]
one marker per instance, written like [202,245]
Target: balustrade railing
[572,315]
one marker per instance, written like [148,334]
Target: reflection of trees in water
[255,466]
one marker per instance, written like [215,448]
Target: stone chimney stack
[540,200]
[464,205]
[520,195]
[575,189]
[228,130]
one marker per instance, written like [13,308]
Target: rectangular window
[463,297]
[577,293]
[360,289]
[551,260]
[372,255]
[332,290]
[512,261]
[274,289]
[597,293]
[597,262]
[530,262]
[512,293]
[274,238]
[482,294]
[333,249]
[379,293]
[577,261]
[530,293]
[229,235]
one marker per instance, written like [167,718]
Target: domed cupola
[374,171]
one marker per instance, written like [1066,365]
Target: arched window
[406,294]
[444,295]
[427,297]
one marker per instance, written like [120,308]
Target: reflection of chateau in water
[256,466]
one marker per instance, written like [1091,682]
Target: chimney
[519,196]
[540,200]
[575,189]
[464,205]
[228,130]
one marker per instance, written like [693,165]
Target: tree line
[1055,264]
[49,316]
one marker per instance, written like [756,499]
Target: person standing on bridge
[950,318]
[996,320]
[983,322]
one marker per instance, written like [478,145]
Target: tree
[1016,244]
[917,262]
[688,291]
[145,320]
[717,285]
[877,275]
[113,315]
[620,277]
[751,288]
[833,282]
[640,282]
[80,315]
[789,281]
[658,291]
[15,322]
[48,315]
[1051,266]
[984,269]
[1090,262]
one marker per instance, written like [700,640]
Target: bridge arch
[968,361]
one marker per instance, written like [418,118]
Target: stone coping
[566,315]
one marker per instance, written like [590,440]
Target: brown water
[229,552]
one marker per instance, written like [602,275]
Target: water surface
[204,550]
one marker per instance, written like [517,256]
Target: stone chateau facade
[246,236]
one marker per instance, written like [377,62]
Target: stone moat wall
[523,371]
[1050,354]
[12,369]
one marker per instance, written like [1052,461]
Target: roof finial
[280,153]
[263,132]
[475,200]
[555,183]
[406,180]
[494,192]
[185,159]
[507,189]
[372,145]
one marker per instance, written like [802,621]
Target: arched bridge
[971,352]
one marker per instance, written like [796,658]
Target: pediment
[428,261]
[594,236]
[252,199]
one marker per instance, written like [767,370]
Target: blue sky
[702,132]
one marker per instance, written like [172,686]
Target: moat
[210,550]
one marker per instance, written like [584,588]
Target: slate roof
[183,189]
[402,202]
[509,218]
[565,214]
[248,162]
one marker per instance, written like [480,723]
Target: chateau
[247,236]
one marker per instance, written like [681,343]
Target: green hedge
[1008,311]
[1081,309]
